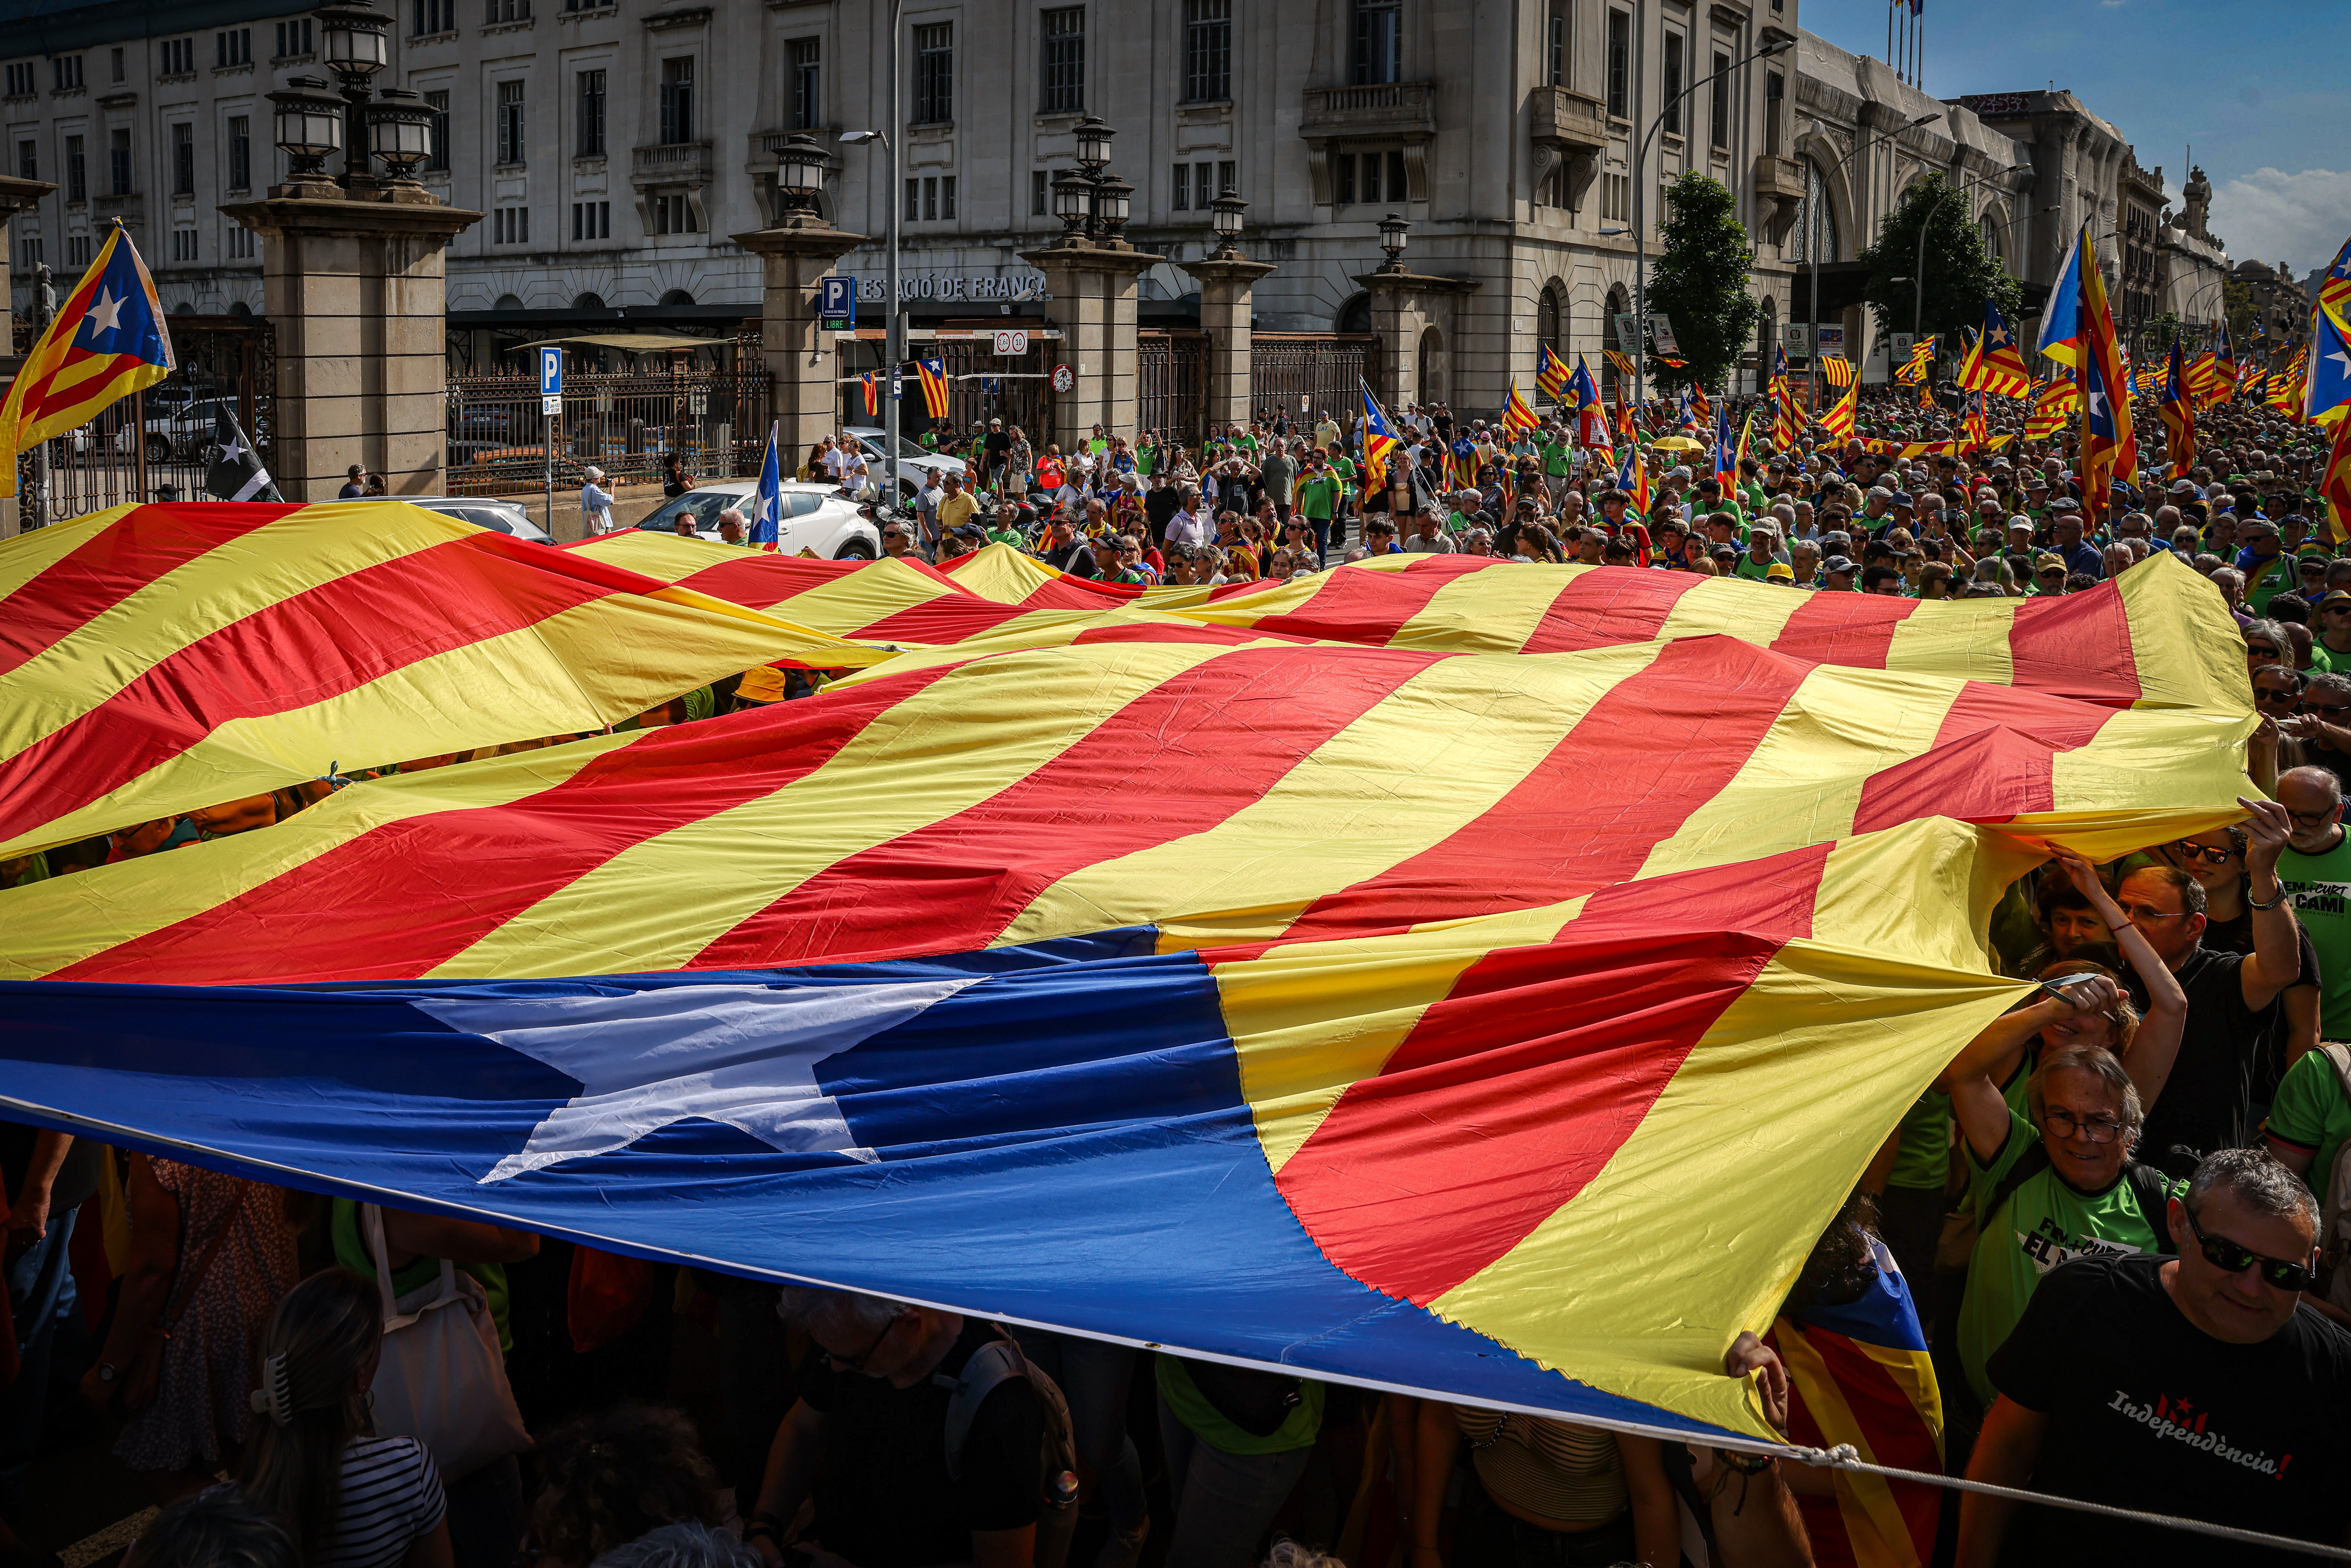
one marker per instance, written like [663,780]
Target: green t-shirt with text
[2310,1112]
[2318,887]
[1318,495]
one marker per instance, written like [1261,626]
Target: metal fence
[159,443]
[625,424]
[981,386]
[1172,385]
[1310,373]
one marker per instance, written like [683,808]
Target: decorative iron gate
[981,386]
[1172,385]
[625,424]
[1325,370]
[159,444]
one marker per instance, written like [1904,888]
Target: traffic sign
[551,404]
[550,373]
[836,306]
[1014,342]
[1064,378]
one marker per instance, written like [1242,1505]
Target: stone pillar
[356,288]
[1405,305]
[795,256]
[15,196]
[1092,285]
[1227,283]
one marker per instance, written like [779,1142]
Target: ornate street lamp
[1072,199]
[1114,201]
[1226,215]
[355,42]
[399,131]
[1094,136]
[800,172]
[1393,230]
[310,126]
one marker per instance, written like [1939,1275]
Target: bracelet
[2255,903]
[1745,1464]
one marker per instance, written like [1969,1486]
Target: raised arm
[2277,959]
[2156,1047]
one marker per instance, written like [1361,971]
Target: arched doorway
[680,297]
[1432,368]
[1814,235]
[1551,319]
[1355,316]
[1619,303]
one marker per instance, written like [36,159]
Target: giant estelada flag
[157,659]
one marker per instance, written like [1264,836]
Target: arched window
[1813,236]
[589,302]
[241,310]
[1551,321]
[1432,367]
[1766,334]
[508,302]
[677,296]
[1355,316]
[1991,231]
[1619,303]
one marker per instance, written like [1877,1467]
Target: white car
[501,517]
[819,517]
[913,461]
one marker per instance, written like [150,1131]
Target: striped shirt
[1551,1469]
[391,1497]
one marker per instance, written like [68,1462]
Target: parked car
[183,429]
[912,463]
[820,518]
[501,517]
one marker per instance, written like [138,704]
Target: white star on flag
[106,315]
[743,1055]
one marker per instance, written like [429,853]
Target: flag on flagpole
[934,374]
[2335,488]
[1726,464]
[1993,363]
[1921,366]
[1591,413]
[2335,292]
[108,339]
[2177,407]
[1979,428]
[767,528]
[873,395]
[1516,415]
[2107,444]
[1836,370]
[1632,478]
[2326,381]
[235,473]
[1787,418]
[2061,322]
[1837,419]
[1551,379]
[1379,441]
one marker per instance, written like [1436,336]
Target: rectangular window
[946,198]
[183,245]
[1775,95]
[294,38]
[438,158]
[234,47]
[1181,199]
[1369,181]
[28,160]
[1620,64]
[591,142]
[672,215]
[934,73]
[20,79]
[183,159]
[913,214]
[115,56]
[1207,50]
[1379,41]
[677,99]
[592,220]
[807,64]
[240,153]
[1343,178]
[76,172]
[1203,178]
[65,72]
[1039,191]
[428,17]
[78,250]
[510,226]
[1674,83]
[508,11]
[1719,114]
[1063,68]
[1225,177]
[32,254]
[118,161]
[1397,192]
[1555,44]
[512,132]
[241,245]
[930,199]
[179,56]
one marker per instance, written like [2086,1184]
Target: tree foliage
[1959,274]
[1699,283]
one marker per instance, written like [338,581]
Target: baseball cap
[2044,561]
[2256,526]
[1782,572]
[2337,596]
[1836,563]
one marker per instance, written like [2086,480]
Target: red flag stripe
[327,920]
[116,561]
[1135,782]
[1656,745]
[943,620]
[1850,629]
[1602,608]
[1370,607]
[2079,643]
[1992,758]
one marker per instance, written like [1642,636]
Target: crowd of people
[2115,1220]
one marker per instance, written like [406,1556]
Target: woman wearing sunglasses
[2053,1180]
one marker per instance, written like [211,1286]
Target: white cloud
[2274,216]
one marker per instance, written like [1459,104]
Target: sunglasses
[2251,647]
[2210,854]
[2230,1259]
[2326,710]
[2285,694]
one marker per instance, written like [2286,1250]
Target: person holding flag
[108,341]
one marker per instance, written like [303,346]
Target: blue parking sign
[836,305]
[551,373]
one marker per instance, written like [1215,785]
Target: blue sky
[2244,83]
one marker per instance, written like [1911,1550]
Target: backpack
[2334,1217]
[993,1363]
[2151,1185]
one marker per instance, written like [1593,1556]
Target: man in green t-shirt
[1245,1477]
[2310,1118]
[2315,870]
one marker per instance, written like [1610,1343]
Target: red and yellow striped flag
[158,659]
[1837,419]
[1516,415]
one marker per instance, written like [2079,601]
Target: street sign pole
[551,406]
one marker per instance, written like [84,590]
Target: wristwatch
[107,1372]
[2252,903]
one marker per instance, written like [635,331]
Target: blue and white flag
[767,530]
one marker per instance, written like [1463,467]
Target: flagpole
[138,444]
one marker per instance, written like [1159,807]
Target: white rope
[1846,1457]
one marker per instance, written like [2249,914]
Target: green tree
[1959,274]
[1700,283]
[2237,300]
[2163,329]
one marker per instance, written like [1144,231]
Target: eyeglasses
[857,1363]
[2089,1129]
[2210,854]
[2261,648]
[2230,1259]
[2135,913]
[2314,819]
[2325,710]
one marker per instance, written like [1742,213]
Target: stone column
[1227,283]
[795,256]
[15,196]
[1405,305]
[1093,286]
[356,288]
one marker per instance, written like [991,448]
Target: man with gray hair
[2200,1384]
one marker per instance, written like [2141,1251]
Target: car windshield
[905,448]
[705,508]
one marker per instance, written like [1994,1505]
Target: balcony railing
[673,163]
[1406,108]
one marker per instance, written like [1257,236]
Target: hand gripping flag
[1996,365]
[235,473]
[2335,292]
[934,374]
[109,341]
[2106,435]
[767,527]
[2061,330]
[1551,379]
[1516,416]
[2177,407]
[1379,442]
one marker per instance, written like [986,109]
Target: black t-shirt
[2147,1411]
[1158,505]
[76,1180]
[996,446]
[1075,559]
[883,1496]
[2224,1065]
